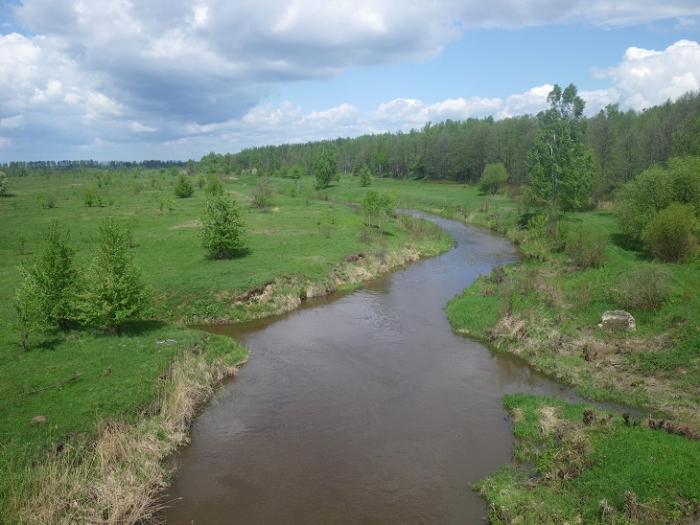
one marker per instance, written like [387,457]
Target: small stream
[361,408]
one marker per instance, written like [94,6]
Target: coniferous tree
[114,291]
[222,229]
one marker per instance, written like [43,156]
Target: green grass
[298,237]
[606,472]
[657,367]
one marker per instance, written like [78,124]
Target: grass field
[81,379]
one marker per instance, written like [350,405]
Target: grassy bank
[78,400]
[547,313]
[576,464]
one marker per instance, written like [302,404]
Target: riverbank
[546,311]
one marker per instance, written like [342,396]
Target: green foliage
[48,201]
[655,189]
[324,168]
[214,186]
[90,198]
[671,234]
[28,307]
[295,172]
[46,295]
[586,246]
[641,198]
[114,292]
[494,176]
[183,188]
[561,166]
[644,288]
[376,206]
[213,163]
[222,229]
[262,194]
[365,176]
[606,472]
[3,184]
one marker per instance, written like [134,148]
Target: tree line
[623,143]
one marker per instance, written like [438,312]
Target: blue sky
[175,79]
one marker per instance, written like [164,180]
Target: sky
[173,79]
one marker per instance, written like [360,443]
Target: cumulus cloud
[154,75]
[646,77]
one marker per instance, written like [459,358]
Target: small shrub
[214,187]
[670,235]
[586,247]
[365,176]
[48,202]
[89,198]
[645,288]
[3,184]
[183,188]
[262,194]
[222,229]
[114,291]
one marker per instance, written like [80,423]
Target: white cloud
[646,77]
[137,127]
[163,72]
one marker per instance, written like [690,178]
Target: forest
[624,144]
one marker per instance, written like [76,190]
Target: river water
[364,408]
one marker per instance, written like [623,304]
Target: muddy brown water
[364,408]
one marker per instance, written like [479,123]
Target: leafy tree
[671,233]
[222,229]
[183,188]
[114,291]
[365,176]
[376,206]
[324,168]
[493,178]
[3,184]
[295,172]
[561,166]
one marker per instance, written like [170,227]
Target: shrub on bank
[586,247]
[645,288]
[670,235]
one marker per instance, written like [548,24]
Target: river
[361,408]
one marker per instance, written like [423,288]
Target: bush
[3,184]
[493,178]
[650,192]
[114,290]
[365,176]
[645,288]
[586,247]
[222,229]
[670,235]
[376,206]
[262,194]
[183,188]
[214,187]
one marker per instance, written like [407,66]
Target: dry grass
[118,478]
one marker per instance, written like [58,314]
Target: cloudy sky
[116,79]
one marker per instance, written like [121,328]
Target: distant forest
[19,168]
[624,144]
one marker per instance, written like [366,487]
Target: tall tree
[324,168]
[561,166]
